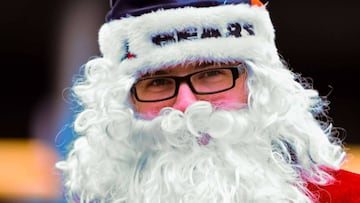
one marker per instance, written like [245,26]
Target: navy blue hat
[123,8]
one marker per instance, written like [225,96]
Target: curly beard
[201,155]
[264,152]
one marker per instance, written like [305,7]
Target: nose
[184,98]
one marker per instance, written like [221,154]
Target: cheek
[230,99]
[149,110]
[240,91]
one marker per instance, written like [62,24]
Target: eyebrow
[155,73]
[204,65]
[165,71]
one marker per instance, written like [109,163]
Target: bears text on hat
[193,33]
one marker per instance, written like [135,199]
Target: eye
[210,74]
[157,82]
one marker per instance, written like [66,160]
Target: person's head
[188,100]
[182,36]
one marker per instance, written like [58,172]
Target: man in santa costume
[191,103]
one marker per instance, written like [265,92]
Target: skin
[228,99]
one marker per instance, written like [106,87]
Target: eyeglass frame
[235,70]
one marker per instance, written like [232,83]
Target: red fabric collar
[345,189]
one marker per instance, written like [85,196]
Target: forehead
[186,68]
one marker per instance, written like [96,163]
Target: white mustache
[201,122]
[200,118]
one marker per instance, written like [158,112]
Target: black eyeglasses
[209,81]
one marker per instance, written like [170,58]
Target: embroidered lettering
[164,38]
[187,34]
[234,29]
[249,28]
[210,32]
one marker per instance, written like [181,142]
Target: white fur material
[134,34]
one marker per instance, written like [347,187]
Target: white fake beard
[202,155]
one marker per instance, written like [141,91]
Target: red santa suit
[344,189]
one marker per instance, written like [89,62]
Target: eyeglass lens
[208,81]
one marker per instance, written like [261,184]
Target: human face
[227,99]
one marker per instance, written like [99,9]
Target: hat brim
[134,36]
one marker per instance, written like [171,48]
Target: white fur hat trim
[173,36]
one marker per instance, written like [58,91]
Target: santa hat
[142,35]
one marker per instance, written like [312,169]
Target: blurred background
[44,43]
